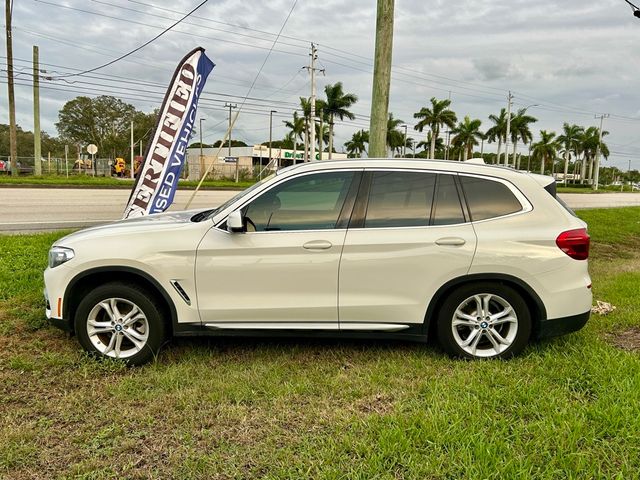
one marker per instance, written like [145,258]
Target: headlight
[59,255]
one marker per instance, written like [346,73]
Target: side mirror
[234,222]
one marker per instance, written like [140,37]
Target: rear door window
[400,199]
[448,208]
[488,198]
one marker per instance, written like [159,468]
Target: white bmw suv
[484,258]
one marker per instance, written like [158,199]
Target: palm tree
[395,138]
[357,145]
[297,131]
[426,145]
[589,141]
[337,105]
[546,148]
[467,134]
[498,131]
[322,115]
[569,142]
[520,130]
[435,117]
[324,138]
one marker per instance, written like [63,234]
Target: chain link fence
[100,167]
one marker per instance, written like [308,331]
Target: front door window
[309,202]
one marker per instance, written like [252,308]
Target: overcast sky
[574,59]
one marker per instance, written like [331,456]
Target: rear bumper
[562,326]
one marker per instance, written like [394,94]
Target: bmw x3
[485,259]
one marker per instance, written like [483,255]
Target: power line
[138,48]
[145,24]
[128,81]
[142,12]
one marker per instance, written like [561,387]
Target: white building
[249,161]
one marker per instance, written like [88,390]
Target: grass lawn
[235,409]
[106,182]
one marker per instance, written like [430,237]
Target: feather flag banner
[157,180]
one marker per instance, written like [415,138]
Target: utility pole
[230,106]
[201,152]
[404,150]
[312,71]
[321,139]
[596,175]
[13,144]
[381,80]
[132,144]
[37,147]
[271,132]
[506,141]
[446,150]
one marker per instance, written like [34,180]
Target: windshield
[212,213]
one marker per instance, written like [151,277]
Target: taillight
[574,243]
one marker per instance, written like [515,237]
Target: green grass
[567,408]
[106,182]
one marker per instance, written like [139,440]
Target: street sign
[92,149]
[230,159]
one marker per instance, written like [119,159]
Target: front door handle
[450,241]
[317,245]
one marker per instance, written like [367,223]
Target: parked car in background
[484,258]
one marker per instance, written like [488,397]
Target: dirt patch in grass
[628,339]
[627,249]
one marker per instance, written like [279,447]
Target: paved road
[41,209]
[601,200]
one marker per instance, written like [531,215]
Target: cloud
[493,69]
[575,58]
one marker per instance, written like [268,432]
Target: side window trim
[461,202]
[362,201]
[348,207]
[466,212]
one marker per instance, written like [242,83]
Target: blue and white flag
[157,181]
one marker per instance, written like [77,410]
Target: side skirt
[413,333]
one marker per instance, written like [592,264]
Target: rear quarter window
[488,198]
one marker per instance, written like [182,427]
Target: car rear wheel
[120,321]
[484,320]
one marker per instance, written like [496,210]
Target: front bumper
[60,323]
[561,326]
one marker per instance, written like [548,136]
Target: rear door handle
[451,241]
[317,245]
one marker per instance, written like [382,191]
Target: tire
[502,332]
[120,320]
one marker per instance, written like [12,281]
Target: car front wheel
[121,321]
[484,320]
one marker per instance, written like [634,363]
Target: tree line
[105,122]
[572,151]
